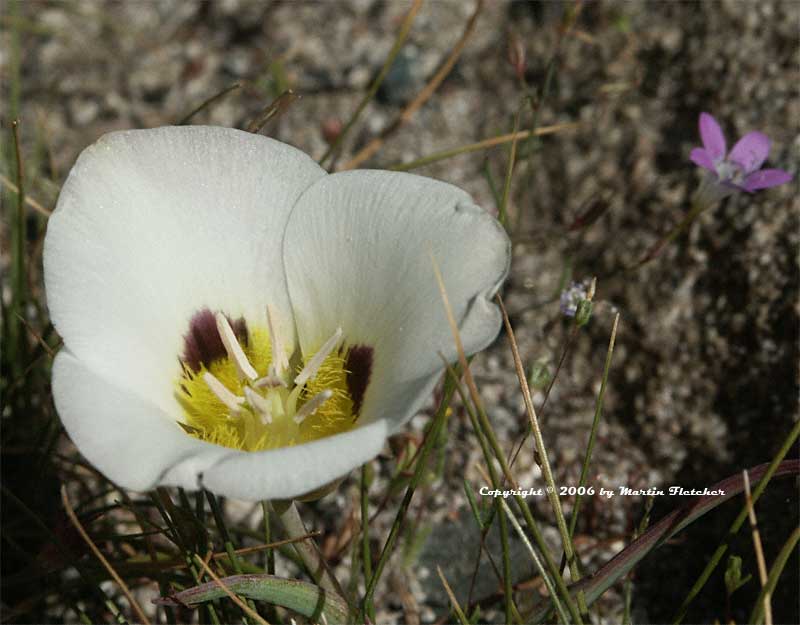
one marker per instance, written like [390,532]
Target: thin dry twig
[125,590]
[399,41]
[221,555]
[39,338]
[483,145]
[762,565]
[377,142]
[462,358]
[28,199]
[453,601]
[512,158]
[188,117]
[275,108]
[242,605]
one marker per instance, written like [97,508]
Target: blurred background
[704,380]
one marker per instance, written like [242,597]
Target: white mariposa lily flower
[234,318]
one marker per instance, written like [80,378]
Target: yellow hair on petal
[336,414]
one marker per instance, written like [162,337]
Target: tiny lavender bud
[573,295]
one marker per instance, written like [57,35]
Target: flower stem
[697,209]
[598,411]
[270,563]
[307,549]
[366,555]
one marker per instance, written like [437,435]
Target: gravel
[705,373]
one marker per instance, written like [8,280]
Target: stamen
[312,405]
[233,402]
[261,405]
[235,352]
[279,358]
[313,365]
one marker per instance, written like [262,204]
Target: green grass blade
[757,616]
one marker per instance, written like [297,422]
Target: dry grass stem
[244,607]
[28,199]
[373,146]
[762,565]
[125,590]
[402,35]
[484,144]
[453,601]
[552,489]
[276,108]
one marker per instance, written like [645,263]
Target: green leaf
[301,597]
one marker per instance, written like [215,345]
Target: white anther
[281,362]
[235,352]
[261,405]
[233,402]
[313,365]
[312,405]
[269,381]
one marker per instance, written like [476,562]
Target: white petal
[127,438]
[357,254]
[281,473]
[153,225]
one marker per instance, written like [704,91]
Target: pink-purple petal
[765,179]
[700,157]
[750,151]
[711,134]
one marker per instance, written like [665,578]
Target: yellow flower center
[250,396]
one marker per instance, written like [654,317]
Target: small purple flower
[572,296]
[741,167]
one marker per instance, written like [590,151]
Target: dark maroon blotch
[359,368]
[202,344]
